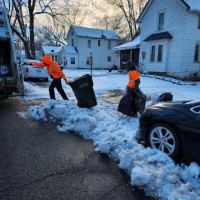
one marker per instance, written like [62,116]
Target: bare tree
[54,34]
[21,11]
[74,15]
[130,10]
[110,22]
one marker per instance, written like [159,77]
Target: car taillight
[27,69]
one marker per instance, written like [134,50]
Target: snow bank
[149,169]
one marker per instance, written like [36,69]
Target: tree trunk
[32,35]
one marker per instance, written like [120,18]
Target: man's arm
[136,78]
[137,83]
[58,70]
[40,65]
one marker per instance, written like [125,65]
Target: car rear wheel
[162,137]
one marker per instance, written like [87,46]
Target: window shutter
[196,56]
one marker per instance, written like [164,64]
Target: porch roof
[129,45]
[159,36]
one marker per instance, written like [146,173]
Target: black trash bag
[167,96]
[140,101]
[125,104]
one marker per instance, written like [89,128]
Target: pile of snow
[151,170]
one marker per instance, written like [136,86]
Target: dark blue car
[173,128]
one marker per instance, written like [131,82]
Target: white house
[54,52]
[69,57]
[96,42]
[170,37]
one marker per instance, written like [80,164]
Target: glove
[67,82]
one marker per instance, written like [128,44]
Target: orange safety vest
[133,76]
[53,68]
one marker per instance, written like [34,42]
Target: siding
[96,51]
[191,37]
[175,20]
[74,37]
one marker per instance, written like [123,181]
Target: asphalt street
[38,162]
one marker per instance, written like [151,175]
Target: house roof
[158,36]
[192,5]
[69,49]
[129,45]
[51,49]
[95,33]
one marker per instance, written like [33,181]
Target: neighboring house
[170,37]
[69,57]
[96,42]
[129,51]
[54,52]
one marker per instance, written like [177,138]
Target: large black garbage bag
[140,101]
[125,104]
[167,96]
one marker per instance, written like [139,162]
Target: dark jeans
[134,106]
[56,83]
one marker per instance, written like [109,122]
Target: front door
[135,56]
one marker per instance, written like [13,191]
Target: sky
[95,9]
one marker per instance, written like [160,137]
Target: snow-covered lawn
[113,134]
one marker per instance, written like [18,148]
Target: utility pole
[102,50]
[91,62]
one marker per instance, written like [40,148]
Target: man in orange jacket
[133,83]
[55,73]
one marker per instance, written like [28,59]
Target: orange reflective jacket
[53,68]
[133,76]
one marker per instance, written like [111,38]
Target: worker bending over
[55,73]
[133,84]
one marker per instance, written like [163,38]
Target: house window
[109,58]
[199,23]
[197,53]
[109,44]
[88,61]
[89,43]
[161,21]
[160,53]
[53,57]
[72,42]
[153,53]
[99,43]
[72,33]
[72,60]
[56,58]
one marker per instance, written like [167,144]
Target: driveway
[37,162]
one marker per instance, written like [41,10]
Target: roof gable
[95,33]
[69,49]
[192,5]
[51,49]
